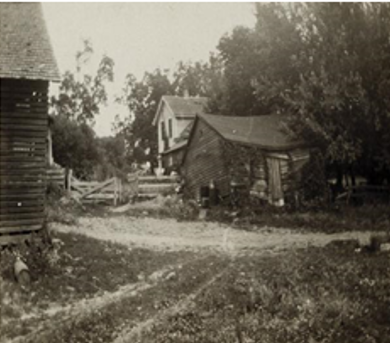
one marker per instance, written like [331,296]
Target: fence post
[115,190]
[68,179]
[120,191]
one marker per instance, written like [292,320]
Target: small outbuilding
[252,153]
[27,65]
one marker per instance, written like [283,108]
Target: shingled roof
[25,49]
[263,131]
[182,107]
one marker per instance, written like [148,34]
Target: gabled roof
[25,50]
[182,140]
[175,147]
[264,131]
[182,107]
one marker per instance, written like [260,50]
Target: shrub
[314,190]
[181,210]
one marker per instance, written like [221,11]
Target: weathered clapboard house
[27,65]
[249,152]
[173,119]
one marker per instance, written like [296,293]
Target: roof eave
[186,116]
[155,119]
[174,149]
[268,147]
[158,112]
[56,78]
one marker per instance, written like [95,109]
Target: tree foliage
[81,94]
[142,98]
[327,65]
[200,79]
[80,97]
[74,146]
[114,160]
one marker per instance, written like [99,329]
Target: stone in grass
[170,276]
[202,214]
[22,274]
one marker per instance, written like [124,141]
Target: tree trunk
[352,174]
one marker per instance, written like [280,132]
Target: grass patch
[315,295]
[171,206]
[81,268]
[337,219]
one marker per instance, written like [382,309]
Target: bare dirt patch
[169,234]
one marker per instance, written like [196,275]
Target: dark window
[170,127]
[164,137]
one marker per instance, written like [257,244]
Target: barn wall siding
[204,161]
[265,174]
[250,167]
[23,154]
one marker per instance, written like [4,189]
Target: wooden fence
[109,191]
[114,190]
[365,194]
[150,186]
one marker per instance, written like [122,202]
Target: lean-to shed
[27,65]
[252,152]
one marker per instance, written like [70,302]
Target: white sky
[140,36]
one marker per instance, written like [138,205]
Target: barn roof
[182,107]
[25,49]
[264,131]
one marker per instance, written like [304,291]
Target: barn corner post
[27,66]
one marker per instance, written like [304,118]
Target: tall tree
[327,66]
[142,99]
[340,99]
[80,97]
[238,53]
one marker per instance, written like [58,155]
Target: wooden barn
[249,153]
[27,65]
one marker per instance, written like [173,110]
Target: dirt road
[173,235]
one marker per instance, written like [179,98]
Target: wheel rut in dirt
[134,334]
[103,318]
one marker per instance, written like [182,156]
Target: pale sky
[140,36]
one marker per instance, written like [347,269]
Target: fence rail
[366,194]
[151,186]
[113,190]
